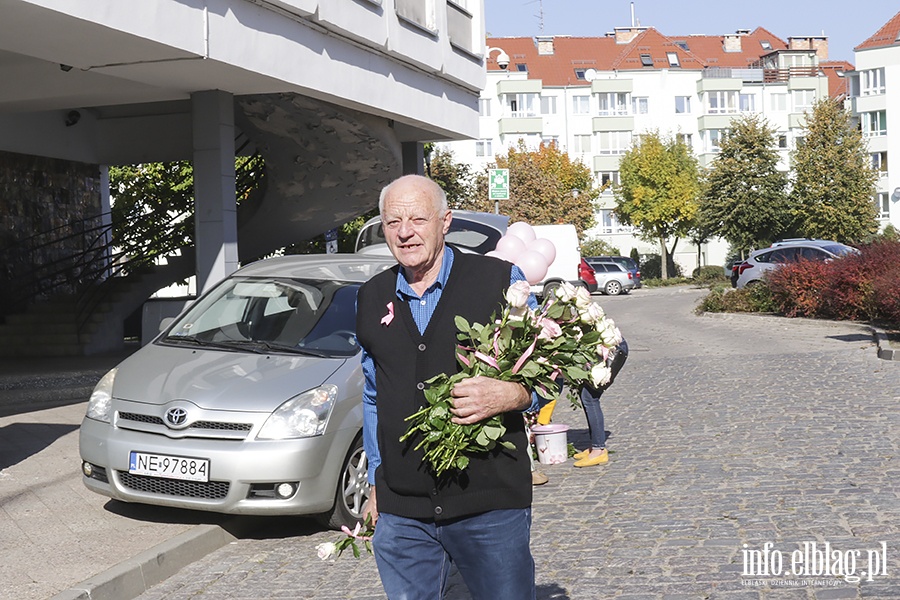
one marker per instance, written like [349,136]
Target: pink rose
[550,330]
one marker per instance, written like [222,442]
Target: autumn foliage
[859,287]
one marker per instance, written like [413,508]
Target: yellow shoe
[600,459]
[582,454]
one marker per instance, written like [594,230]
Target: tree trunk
[663,258]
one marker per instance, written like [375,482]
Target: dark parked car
[629,263]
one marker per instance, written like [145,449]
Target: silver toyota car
[249,402]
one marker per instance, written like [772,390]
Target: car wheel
[613,288]
[352,489]
[550,288]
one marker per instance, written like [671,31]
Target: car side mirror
[164,323]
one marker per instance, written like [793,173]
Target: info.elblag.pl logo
[813,559]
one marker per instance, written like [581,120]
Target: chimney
[544,45]
[732,42]
[624,35]
[818,43]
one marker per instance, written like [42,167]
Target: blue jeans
[590,400]
[491,550]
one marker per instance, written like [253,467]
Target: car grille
[212,490]
[224,429]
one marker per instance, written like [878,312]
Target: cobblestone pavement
[727,433]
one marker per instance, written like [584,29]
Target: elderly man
[479,519]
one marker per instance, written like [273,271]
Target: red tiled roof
[837,84]
[886,36]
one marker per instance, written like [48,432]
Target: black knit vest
[404,359]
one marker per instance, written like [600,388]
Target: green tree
[659,186]
[456,179]
[545,187]
[153,204]
[833,182]
[744,197]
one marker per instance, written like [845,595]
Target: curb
[885,351]
[134,576]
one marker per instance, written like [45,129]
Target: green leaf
[462,462]
[507,445]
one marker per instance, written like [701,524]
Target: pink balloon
[510,247]
[522,230]
[496,254]
[533,265]
[545,247]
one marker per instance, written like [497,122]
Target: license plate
[169,467]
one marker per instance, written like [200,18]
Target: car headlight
[101,398]
[302,416]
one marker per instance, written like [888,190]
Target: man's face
[413,227]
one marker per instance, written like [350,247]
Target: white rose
[600,375]
[517,294]
[566,291]
[582,297]
[326,550]
[592,314]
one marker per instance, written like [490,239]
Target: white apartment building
[594,96]
[875,87]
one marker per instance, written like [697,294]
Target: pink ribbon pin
[386,319]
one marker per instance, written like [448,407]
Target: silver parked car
[250,402]
[612,278]
[751,271]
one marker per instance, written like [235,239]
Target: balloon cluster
[521,246]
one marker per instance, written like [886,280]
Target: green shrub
[756,298]
[657,282]
[650,268]
[708,274]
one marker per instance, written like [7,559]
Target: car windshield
[270,314]
[466,233]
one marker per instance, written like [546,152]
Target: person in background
[596,453]
[479,519]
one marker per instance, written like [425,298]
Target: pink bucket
[551,443]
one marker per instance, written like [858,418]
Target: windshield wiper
[263,346]
[194,341]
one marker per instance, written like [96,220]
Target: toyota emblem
[176,417]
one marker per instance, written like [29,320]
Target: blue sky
[847,23]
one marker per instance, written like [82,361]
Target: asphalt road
[737,442]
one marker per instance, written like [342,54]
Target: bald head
[418,185]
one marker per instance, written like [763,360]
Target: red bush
[859,287]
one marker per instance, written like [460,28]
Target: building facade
[874,89]
[594,96]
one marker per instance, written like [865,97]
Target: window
[722,102]
[607,180]
[673,59]
[550,140]
[683,45]
[682,105]
[609,223]
[803,100]
[747,102]
[714,139]
[646,60]
[614,104]
[483,148]
[522,105]
[872,82]
[579,74]
[883,205]
[582,143]
[766,44]
[548,105]
[640,105]
[874,123]
[782,141]
[521,67]
[879,161]
[685,138]
[484,107]
[417,12]
[613,142]
[779,102]
[581,105]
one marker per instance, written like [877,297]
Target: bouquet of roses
[566,335]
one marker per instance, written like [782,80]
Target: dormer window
[766,45]
[646,60]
